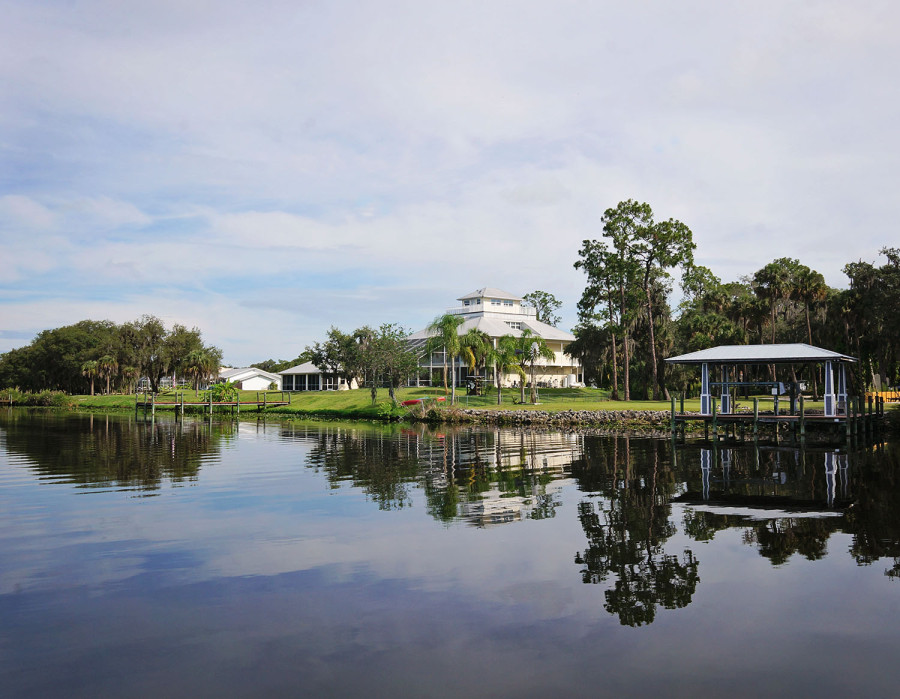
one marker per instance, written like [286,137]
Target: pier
[149,401]
[860,418]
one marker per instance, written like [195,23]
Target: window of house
[514,325]
[508,303]
[495,302]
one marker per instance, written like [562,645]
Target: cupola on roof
[490,293]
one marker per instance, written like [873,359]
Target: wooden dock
[151,401]
[858,419]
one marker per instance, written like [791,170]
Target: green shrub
[389,410]
[226,391]
[44,399]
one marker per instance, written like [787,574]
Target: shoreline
[625,420]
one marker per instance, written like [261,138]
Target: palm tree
[530,348]
[811,290]
[475,346]
[504,359]
[106,365]
[91,370]
[202,365]
[444,333]
[130,374]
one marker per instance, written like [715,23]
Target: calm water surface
[203,558]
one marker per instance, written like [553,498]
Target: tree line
[626,326]
[101,355]
[373,357]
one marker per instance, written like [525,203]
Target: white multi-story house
[498,313]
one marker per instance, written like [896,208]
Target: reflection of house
[308,377]
[495,506]
[498,313]
[250,378]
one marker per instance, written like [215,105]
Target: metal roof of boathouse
[761,354]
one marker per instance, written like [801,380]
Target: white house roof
[491,293]
[242,373]
[760,354]
[305,368]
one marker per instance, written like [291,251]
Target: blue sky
[265,170]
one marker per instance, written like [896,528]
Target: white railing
[509,310]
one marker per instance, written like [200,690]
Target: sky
[265,170]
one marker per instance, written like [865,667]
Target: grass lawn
[358,403]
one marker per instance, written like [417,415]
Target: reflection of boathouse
[765,482]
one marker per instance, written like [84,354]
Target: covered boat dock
[842,412]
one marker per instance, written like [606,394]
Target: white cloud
[17,211]
[374,160]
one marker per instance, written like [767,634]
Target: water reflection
[645,508]
[627,524]
[112,451]
[791,501]
[477,476]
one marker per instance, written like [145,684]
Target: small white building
[308,377]
[250,378]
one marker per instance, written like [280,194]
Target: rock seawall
[564,418]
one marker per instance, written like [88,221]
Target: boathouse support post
[726,391]
[704,390]
[755,417]
[802,419]
[673,417]
[848,421]
[829,390]
[715,423]
[842,387]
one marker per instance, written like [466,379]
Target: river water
[197,558]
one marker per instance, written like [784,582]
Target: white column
[842,387]
[829,391]
[705,398]
[726,392]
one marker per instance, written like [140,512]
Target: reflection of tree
[779,539]
[875,519]
[869,479]
[627,531]
[762,480]
[375,462]
[113,450]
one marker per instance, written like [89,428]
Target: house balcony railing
[520,311]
